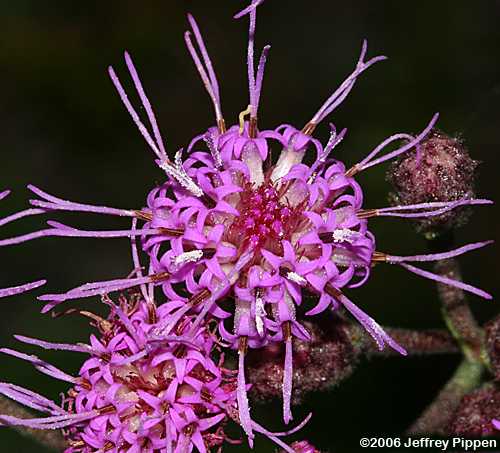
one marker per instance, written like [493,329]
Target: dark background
[64,129]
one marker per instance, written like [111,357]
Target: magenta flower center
[265,217]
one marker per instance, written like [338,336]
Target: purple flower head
[233,223]
[234,239]
[141,390]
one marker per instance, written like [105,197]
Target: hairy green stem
[463,326]
[435,418]
[454,304]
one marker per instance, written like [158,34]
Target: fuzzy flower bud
[442,171]
[319,364]
[492,330]
[476,412]
[303,446]
[234,221]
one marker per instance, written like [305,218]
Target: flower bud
[492,330]
[474,416]
[303,446]
[318,365]
[440,171]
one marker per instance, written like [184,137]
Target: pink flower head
[236,239]
[235,224]
[141,390]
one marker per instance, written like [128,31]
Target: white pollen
[177,172]
[259,314]
[296,278]
[343,235]
[187,257]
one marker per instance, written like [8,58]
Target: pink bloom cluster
[146,387]
[235,241]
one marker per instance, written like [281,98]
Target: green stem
[454,304]
[436,417]
[463,326]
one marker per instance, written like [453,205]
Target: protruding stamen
[103,325]
[342,91]
[252,127]
[352,171]
[199,297]
[7,292]
[177,232]
[447,281]
[109,409]
[259,80]
[145,103]
[60,230]
[431,209]
[177,172]
[402,261]
[143,215]
[439,256]
[241,392]
[287,372]
[309,129]
[221,126]
[159,277]
[333,141]
[367,213]
[241,118]
[332,291]
[85,383]
[369,324]
[379,257]
[158,149]
[209,140]
[411,142]
[100,288]
[206,71]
